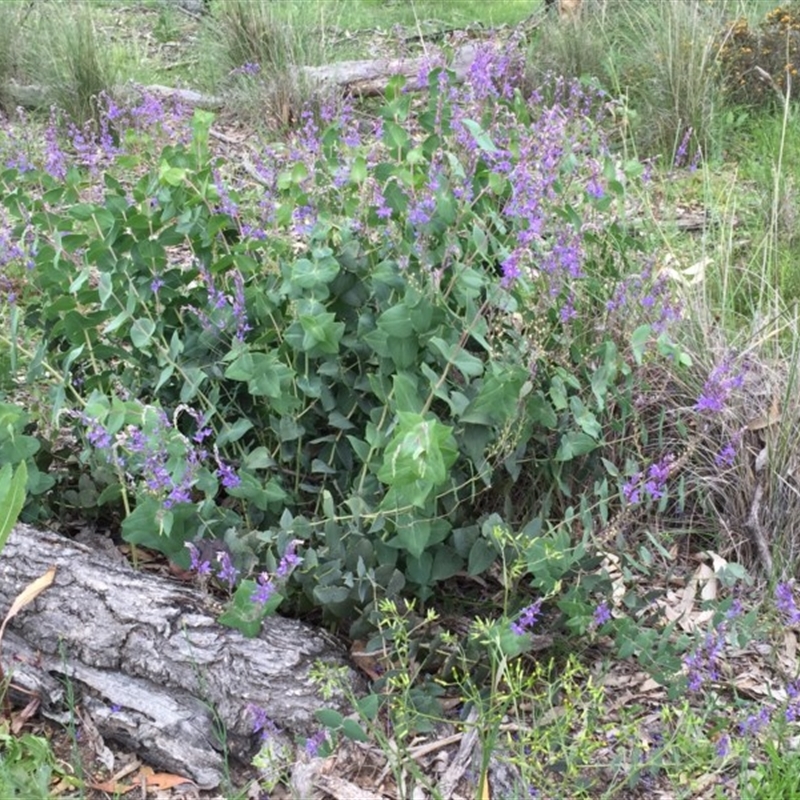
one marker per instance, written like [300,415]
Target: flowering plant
[393,335]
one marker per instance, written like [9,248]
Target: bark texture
[147,659]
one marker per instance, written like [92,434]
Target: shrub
[759,63]
[404,356]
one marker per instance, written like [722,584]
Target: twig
[753,525]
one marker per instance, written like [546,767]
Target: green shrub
[357,375]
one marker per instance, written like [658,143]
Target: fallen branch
[361,78]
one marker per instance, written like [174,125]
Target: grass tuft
[69,62]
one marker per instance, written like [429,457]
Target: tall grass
[12,26]
[68,61]
[254,49]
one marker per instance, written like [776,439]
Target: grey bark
[149,662]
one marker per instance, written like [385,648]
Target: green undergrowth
[445,377]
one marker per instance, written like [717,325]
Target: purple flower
[595,189]
[313,743]
[785,603]
[264,590]
[723,745]
[680,154]
[753,724]
[602,615]
[727,455]
[630,489]
[735,610]
[289,560]
[227,474]
[55,160]
[248,68]
[156,284]
[511,270]
[201,434]
[97,435]
[703,664]
[717,389]
[657,476]
[262,724]
[227,572]
[198,564]
[527,618]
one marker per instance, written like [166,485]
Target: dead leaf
[368,663]
[773,417]
[19,718]
[113,787]
[166,780]
[28,595]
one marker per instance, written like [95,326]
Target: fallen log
[148,661]
[362,78]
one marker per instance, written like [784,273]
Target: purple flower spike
[227,572]
[527,619]
[198,564]
[786,604]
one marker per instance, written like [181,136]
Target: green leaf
[481,556]
[639,340]
[232,433]
[586,419]
[142,332]
[243,614]
[413,537]
[330,595]
[352,730]
[329,718]
[259,458]
[420,450]
[307,274]
[17,448]
[396,321]
[322,333]
[406,393]
[482,139]
[171,176]
[466,363]
[574,444]
[498,397]
[368,706]
[12,498]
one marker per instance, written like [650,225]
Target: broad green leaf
[639,340]
[12,498]
[352,730]
[396,321]
[307,274]
[574,444]
[329,718]
[466,363]
[481,137]
[232,433]
[481,556]
[142,332]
